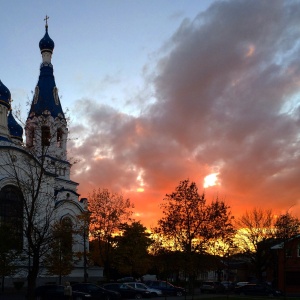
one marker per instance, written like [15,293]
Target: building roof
[46,43]
[5,95]
[280,245]
[15,129]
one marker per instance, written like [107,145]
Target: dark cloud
[226,100]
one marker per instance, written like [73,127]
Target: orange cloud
[212,108]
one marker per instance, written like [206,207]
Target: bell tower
[46,126]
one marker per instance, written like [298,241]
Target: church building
[35,186]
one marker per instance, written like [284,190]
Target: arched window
[46,136]
[11,212]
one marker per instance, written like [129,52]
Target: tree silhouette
[31,173]
[255,227]
[10,255]
[131,249]
[60,258]
[190,224]
[286,226]
[108,211]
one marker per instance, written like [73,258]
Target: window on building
[288,252]
[60,171]
[11,213]
[46,136]
[31,137]
[67,240]
[59,137]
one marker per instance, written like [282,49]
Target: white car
[142,286]
[241,283]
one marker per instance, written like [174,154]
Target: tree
[108,211]
[60,258]
[10,253]
[190,224]
[255,227]
[167,264]
[286,226]
[33,187]
[131,249]
[30,186]
[83,232]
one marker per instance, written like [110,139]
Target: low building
[286,267]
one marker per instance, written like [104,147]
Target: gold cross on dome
[46,19]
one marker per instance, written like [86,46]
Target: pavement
[12,294]
[12,297]
[19,296]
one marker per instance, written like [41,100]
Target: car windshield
[125,287]
[141,286]
[111,286]
[93,288]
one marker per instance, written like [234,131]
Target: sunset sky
[164,90]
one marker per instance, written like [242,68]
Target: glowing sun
[211,180]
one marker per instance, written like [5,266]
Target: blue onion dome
[46,43]
[15,129]
[5,95]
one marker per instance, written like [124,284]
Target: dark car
[126,279]
[229,285]
[53,291]
[142,286]
[167,288]
[96,292]
[257,290]
[127,291]
[212,287]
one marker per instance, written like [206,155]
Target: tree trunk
[32,276]
[2,283]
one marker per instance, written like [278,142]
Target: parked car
[253,289]
[127,291]
[229,286]
[142,286]
[96,292]
[125,279]
[241,283]
[212,287]
[53,291]
[167,288]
